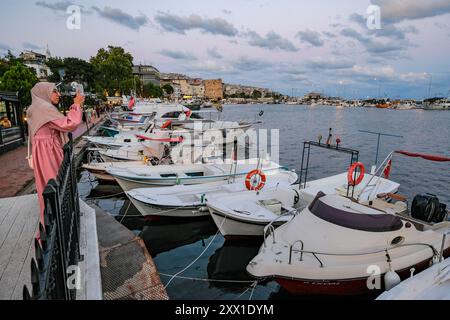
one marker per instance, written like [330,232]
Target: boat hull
[129,184]
[232,227]
[357,286]
[147,209]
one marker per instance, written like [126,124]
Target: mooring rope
[196,259]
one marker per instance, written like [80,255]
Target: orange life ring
[166,124]
[351,172]
[249,177]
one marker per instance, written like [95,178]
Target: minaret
[47,53]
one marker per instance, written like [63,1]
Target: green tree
[75,70]
[151,90]
[19,78]
[256,94]
[113,70]
[168,89]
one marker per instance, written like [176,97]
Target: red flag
[387,169]
[131,103]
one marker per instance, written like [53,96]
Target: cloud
[310,36]
[5,47]
[329,64]
[56,6]
[60,6]
[120,17]
[374,46]
[398,10]
[271,41]
[388,30]
[214,53]
[179,24]
[251,64]
[210,66]
[177,55]
[329,34]
[32,46]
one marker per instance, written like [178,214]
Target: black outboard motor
[426,207]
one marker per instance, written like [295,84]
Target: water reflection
[167,234]
[229,262]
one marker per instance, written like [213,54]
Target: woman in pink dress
[48,133]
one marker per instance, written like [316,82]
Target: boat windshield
[358,221]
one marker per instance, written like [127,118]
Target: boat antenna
[378,144]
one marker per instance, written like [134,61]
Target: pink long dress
[48,150]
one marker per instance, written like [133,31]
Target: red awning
[424,156]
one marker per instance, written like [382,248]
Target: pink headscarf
[42,110]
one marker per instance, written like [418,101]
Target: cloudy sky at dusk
[288,46]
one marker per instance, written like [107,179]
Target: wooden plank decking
[19,220]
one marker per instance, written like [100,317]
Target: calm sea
[220,271]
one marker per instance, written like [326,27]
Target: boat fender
[391,279]
[296,197]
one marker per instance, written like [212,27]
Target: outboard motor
[426,207]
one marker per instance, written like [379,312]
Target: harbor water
[208,267]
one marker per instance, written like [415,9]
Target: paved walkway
[15,173]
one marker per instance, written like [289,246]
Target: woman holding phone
[48,130]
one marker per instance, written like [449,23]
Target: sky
[290,46]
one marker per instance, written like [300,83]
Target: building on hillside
[213,89]
[197,88]
[37,62]
[147,74]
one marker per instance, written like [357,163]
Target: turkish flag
[131,103]
[387,169]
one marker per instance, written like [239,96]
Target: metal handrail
[272,228]
[435,253]
[378,170]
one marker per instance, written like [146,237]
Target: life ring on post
[249,180]
[351,172]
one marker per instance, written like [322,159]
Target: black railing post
[58,246]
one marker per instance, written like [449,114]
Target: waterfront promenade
[15,174]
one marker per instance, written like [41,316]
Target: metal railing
[58,248]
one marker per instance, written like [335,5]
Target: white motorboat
[134,152]
[430,284]
[98,169]
[248,213]
[165,175]
[190,200]
[340,246]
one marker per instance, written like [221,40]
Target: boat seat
[273,205]
[398,207]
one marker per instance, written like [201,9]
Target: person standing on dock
[48,130]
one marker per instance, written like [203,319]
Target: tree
[152,91]
[113,70]
[75,70]
[19,78]
[168,89]
[256,94]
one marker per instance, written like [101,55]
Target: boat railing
[316,254]
[378,172]
[270,229]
